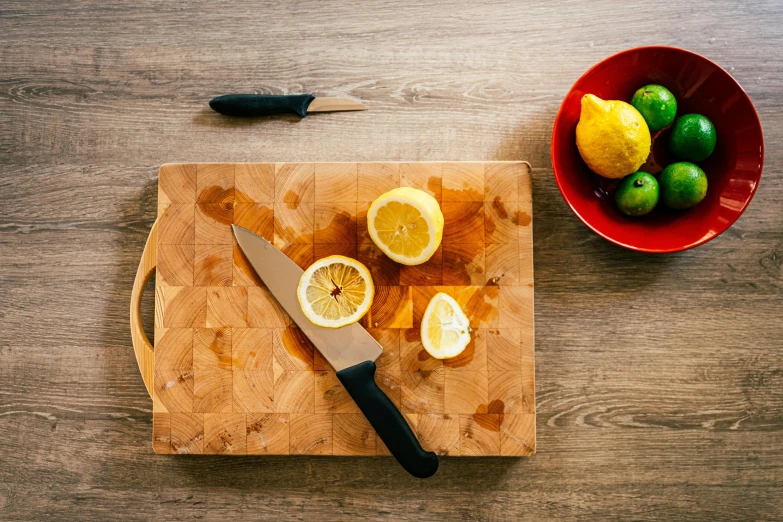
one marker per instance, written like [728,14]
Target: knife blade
[342,347]
[251,105]
[351,350]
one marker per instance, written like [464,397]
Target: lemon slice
[445,329]
[335,291]
[406,224]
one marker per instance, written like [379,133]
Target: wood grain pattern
[640,416]
[187,434]
[244,355]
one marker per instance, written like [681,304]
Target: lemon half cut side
[335,291]
[445,329]
[406,224]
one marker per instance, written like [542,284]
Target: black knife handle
[250,105]
[387,420]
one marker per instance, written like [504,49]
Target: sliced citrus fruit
[406,224]
[335,291]
[445,329]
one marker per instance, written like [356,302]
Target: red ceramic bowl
[733,170]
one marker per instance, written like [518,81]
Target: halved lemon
[335,291]
[406,224]
[445,329]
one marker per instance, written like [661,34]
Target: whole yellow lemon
[612,137]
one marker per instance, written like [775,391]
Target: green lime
[683,185]
[656,104]
[637,194]
[693,137]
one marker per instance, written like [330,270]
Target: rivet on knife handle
[387,420]
[251,105]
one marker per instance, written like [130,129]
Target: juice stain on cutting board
[217,195]
[292,200]
[298,345]
[490,416]
[518,218]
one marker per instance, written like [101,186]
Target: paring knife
[350,350]
[250,105]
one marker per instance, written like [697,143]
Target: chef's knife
[249,105]
[350,350]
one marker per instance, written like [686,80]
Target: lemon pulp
[335,291]
[445,329]
[406,224]
[402,229]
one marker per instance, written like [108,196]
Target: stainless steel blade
[335,105]
[342,347]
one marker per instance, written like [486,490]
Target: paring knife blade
[251,105]
[350,350]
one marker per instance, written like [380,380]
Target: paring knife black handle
[387,420]
[250,105]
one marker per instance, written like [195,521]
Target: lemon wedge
[406,224]
[445,329]
[335,291]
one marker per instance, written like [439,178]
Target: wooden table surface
[659,378]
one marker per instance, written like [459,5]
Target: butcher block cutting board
[233,375]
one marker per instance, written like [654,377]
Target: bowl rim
[699,241]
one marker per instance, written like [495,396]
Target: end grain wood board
[233,375]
